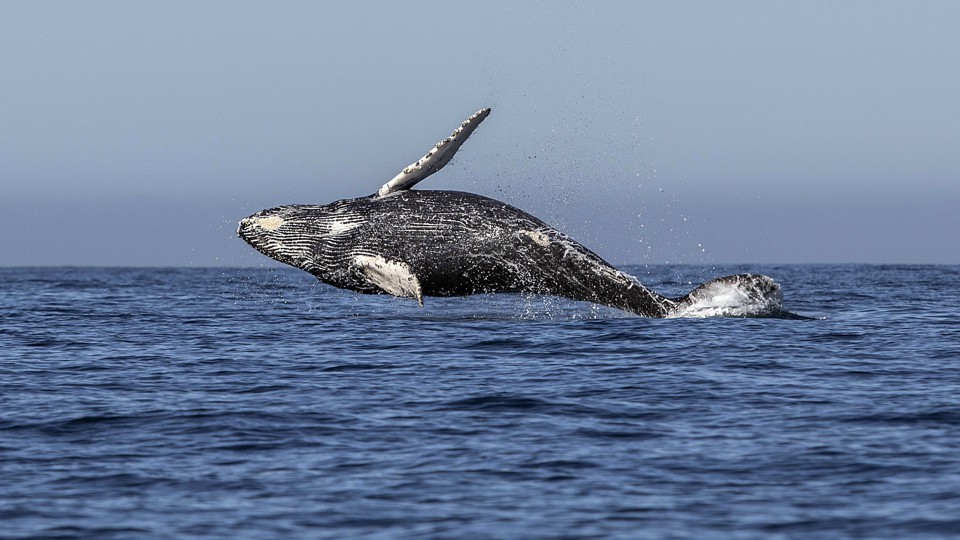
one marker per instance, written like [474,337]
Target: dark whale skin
[455,243]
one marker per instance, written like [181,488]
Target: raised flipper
[436,158]
[393,277]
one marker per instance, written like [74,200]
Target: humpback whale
[417,243]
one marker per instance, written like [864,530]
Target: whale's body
[416,243]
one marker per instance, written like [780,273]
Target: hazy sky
[139,133]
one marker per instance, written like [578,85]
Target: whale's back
[461,243]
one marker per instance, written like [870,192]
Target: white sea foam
[734,296]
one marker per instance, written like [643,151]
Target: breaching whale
[417,243]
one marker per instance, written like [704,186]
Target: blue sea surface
[259,403]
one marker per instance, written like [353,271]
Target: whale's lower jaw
[739,295]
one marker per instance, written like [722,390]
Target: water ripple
[257,403]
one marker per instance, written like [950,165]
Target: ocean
[258,403]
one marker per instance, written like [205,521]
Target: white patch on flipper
[269,223]
[537,237]
[393,277]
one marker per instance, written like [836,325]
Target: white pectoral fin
[435,159]
[393,277]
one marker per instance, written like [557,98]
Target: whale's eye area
[268,223]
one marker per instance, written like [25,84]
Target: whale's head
[298,235]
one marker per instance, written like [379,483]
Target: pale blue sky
[139,133]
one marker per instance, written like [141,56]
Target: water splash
[741,295]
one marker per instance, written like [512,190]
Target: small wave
[622,434]
[498,403]
[948,417]
[560,464]
[357,367]
[514,403]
